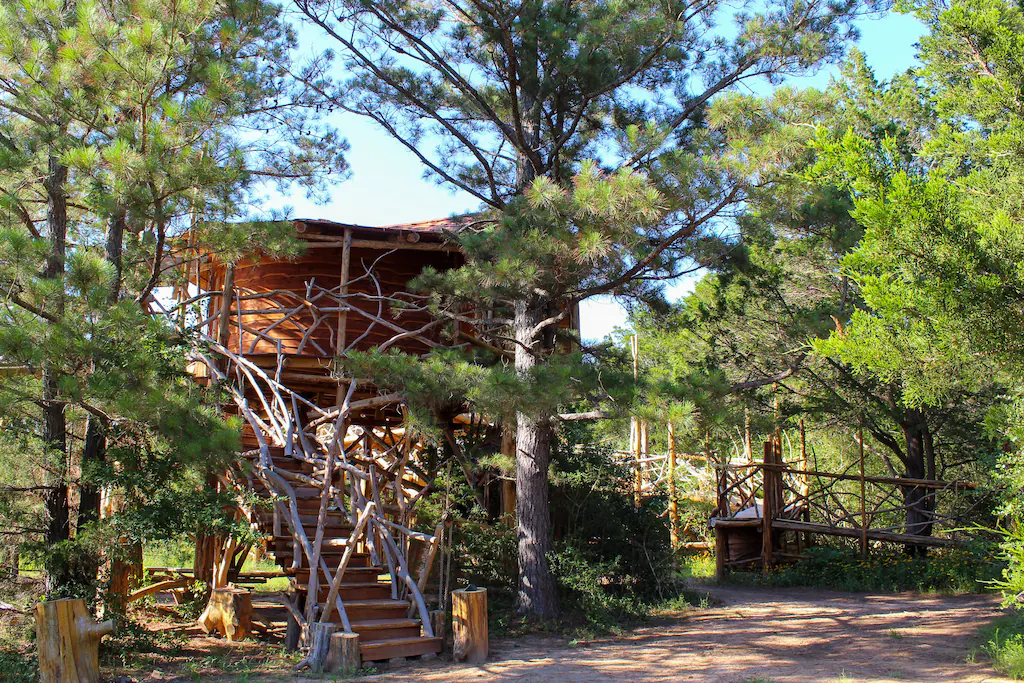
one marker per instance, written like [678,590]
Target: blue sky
[387,184]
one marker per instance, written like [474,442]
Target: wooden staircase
[387,624]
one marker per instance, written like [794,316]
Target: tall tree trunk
[95,450]
[54,426]
[536,595]
[920,465]
[93,453]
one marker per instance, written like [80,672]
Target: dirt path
[782,636]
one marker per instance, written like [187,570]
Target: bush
[955,570]
[18,667]
[1004,644]
[611,561]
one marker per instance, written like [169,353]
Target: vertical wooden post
[638,475]
[721,553]
[804,488]
[227,294]
[863,502]
[346,258]
[469,624]
[508,485]
[340,342]
[673,505]
[645,452]
[768,505]
[748,446]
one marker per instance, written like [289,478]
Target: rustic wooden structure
[328,451]
[772,510]
[68,639]
[469,625]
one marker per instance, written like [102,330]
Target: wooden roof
[427,231]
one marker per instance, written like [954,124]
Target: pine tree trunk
[536,595]
[54,426]
[919,465]
[93,453]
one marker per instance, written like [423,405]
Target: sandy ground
[781,636]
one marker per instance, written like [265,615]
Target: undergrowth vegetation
[970,569]
[1003,643]
[612,561]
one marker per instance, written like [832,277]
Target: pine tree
[122,124]
[581,129]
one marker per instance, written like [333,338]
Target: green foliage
[1003,642]
[122,126]
[943,570]
[18,667]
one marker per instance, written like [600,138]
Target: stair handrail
[350,546]
[403,573]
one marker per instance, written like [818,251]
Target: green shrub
[18,667]
[1004,644]
[955,570]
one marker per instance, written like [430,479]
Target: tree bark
[536,596]
[920,506]
[54,426]
[93,453]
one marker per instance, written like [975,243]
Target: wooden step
[371,630]
[353,591]
[382,608]
[352,575]
[358,559]
[334,517]
[378,650]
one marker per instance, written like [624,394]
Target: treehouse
[338,474]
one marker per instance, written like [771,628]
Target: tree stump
[229,613]
[469,624]
[343,655]
[69,640]
[318,637]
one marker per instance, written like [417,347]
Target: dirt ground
[782,636]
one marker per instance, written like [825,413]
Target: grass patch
[1003,642]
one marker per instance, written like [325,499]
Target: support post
[439,624]
[508,485]
[768,504]
[721,553]
[673,505]
[469,624]
[635,437]
[863,496]
[68,640]
[748,445]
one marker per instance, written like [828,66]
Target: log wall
[393,271]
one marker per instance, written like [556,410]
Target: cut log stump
[69,640]
[343,655]
[229,613]
[318,637]
[469,625]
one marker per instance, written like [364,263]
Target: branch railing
[848,502]
[378,467]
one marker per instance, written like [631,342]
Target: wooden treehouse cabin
[339,475]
